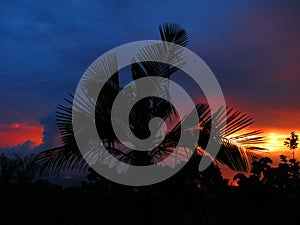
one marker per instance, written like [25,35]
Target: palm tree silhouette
[237,150]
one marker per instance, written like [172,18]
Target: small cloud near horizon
[49,138]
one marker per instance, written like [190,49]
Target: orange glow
[274,137]
[274,143]
[18,133]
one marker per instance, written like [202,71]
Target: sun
[275,141]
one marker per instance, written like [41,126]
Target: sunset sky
[253,48]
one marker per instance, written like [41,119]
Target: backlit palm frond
[249,138]
[236,151]
[239,151]
[237,156]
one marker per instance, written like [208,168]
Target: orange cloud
[19,133]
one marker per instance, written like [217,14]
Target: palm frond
[100,72]
[59,159]
[236,152]
[171,54]
[174,33]
[237,156]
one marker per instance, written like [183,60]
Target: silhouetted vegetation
[292,143]
[268,195]
[285,176]
[16,170]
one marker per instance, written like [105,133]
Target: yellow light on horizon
[275,141]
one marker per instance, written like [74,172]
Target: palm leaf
[59,159]
[236,152]
[174,33]
[98,73]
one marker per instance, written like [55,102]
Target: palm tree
[292,142]
[237,150]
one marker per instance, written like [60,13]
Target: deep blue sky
[252,47]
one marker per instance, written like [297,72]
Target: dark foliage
[285,176]
[207,201]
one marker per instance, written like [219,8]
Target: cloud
[18,133]
[50,139]
[50,134]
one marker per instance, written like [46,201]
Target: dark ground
[43,203]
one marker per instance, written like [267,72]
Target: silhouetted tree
[242,179]
[292,143]
[261,169]
[284,176]
[16,169]
[236,151]
[259,174]
[212,179]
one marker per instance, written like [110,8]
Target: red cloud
[19,133]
